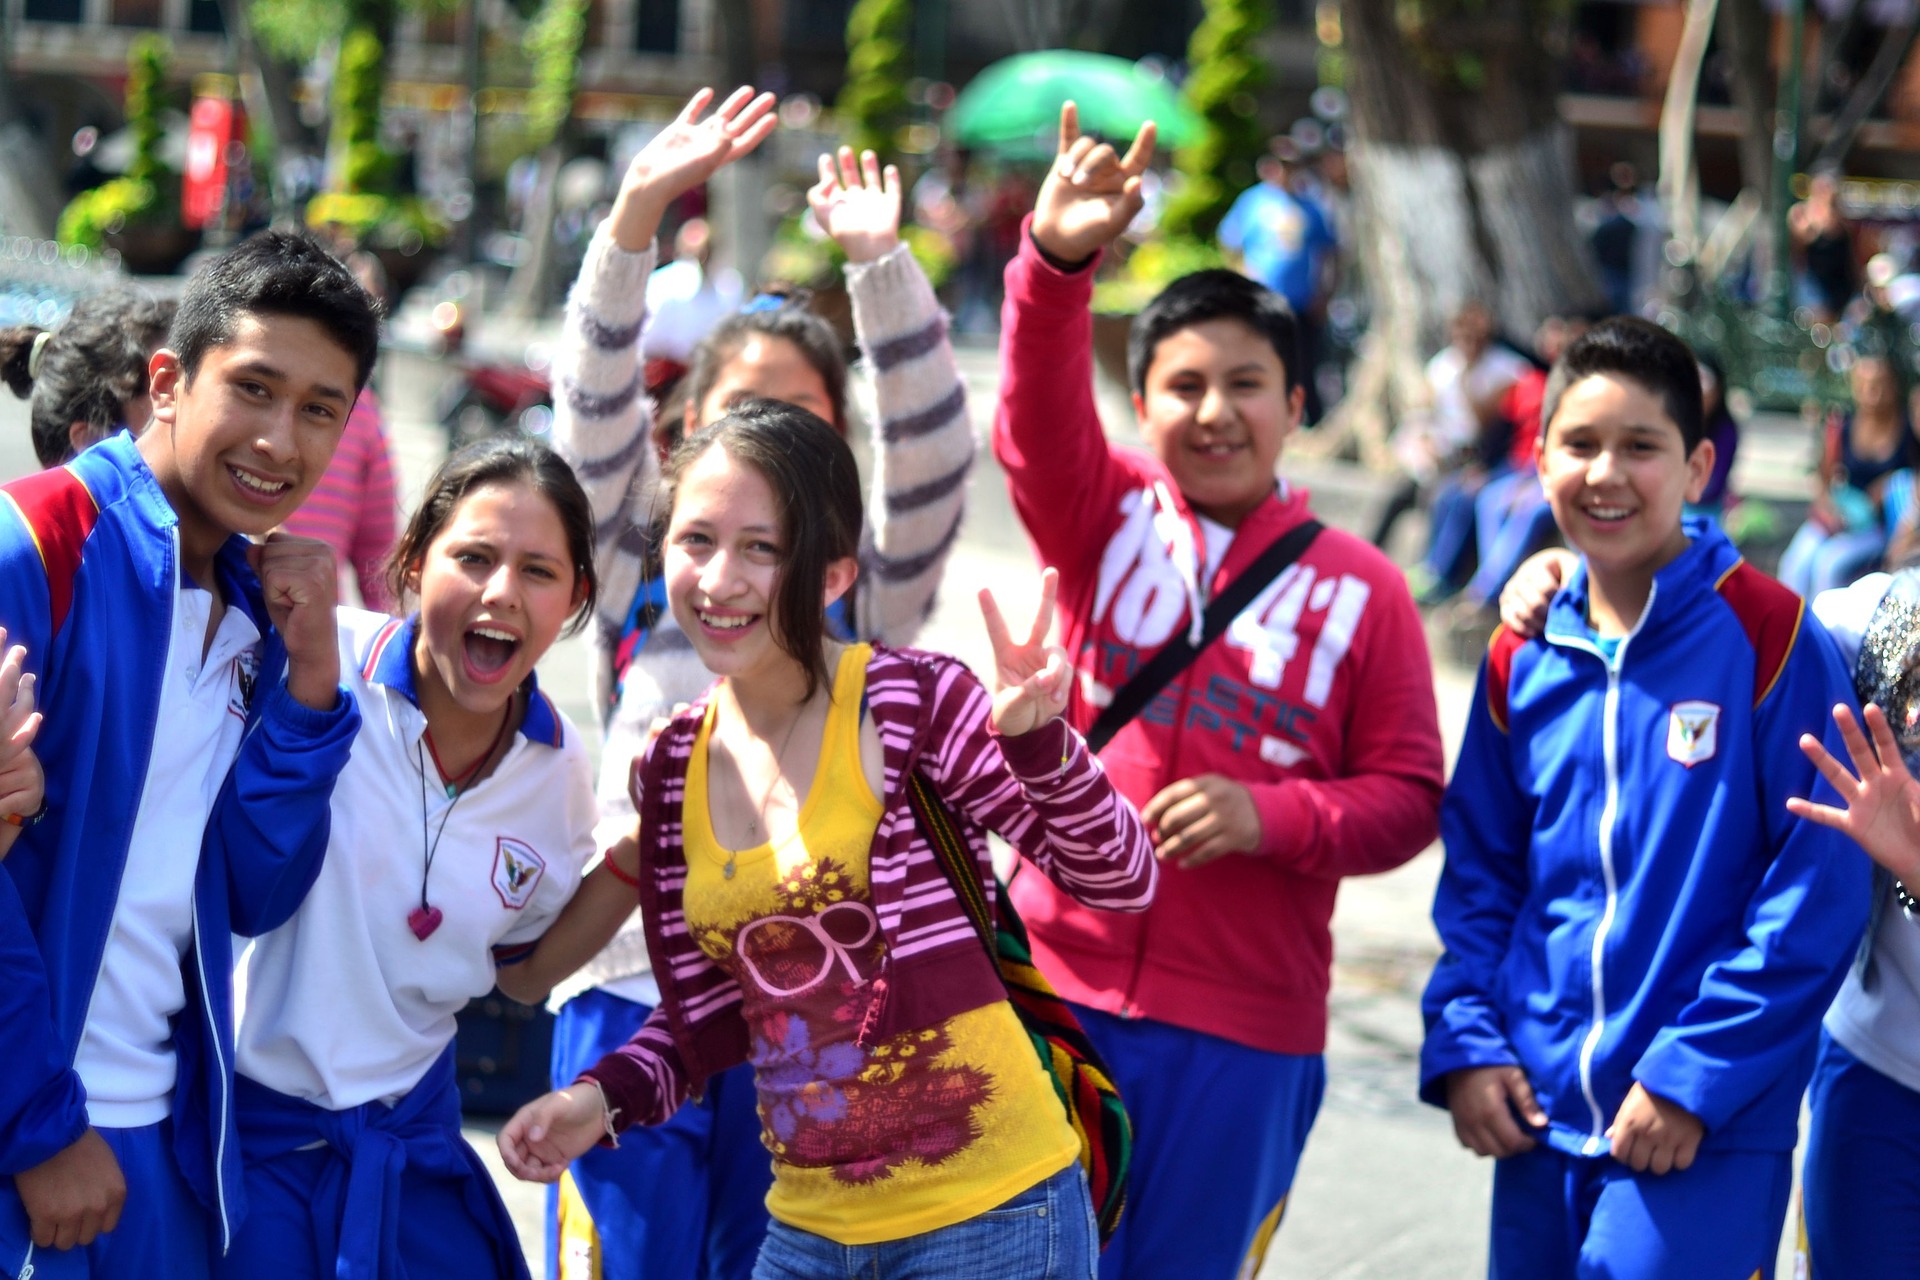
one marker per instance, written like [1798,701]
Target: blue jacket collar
[1708,558]
[115,471]
[388,661]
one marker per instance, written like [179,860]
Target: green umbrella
[1013,107]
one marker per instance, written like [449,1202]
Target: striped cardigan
[1044,792]
[924,452]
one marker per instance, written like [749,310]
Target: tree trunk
[1679,184]
[1745,27]
[1463,186]
[273,101]
[1895,44]
[29,187]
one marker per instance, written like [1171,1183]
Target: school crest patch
[1693,732]
[517,869]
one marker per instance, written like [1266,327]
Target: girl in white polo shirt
[459,830]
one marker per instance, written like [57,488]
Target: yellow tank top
[924,1129]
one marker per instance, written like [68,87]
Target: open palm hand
[1030,677]
[1882,812]
[685,154]
[857,205]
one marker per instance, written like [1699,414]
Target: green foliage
[297,30]
[407,223]
[553,43]
[873,102]
[1223,86]
[91,215]
[804,257]
[1152,267]
[146,88]
[359,84]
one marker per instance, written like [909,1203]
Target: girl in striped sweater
[799,920]
[628,1211]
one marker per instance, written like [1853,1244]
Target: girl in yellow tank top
[792,892]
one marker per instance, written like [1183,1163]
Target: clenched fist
[302,584]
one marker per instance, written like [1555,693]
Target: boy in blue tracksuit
[1640,939]
[194,723]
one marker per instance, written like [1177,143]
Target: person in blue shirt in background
[1640,937]
[1283,239]
[194,725]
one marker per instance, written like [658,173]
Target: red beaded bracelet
[618,874]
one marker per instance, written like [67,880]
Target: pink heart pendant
[423,921]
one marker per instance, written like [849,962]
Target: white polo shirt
[126,1057]
[343,1004]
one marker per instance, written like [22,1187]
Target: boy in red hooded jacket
[1299,747]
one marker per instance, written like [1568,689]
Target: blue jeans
[1046,1232]
[1817,561]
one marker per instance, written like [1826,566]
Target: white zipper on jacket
[26,1265]
[220,1079]
[1609,815]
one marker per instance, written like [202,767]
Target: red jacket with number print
[1319,698]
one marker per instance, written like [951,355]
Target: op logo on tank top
[517,869]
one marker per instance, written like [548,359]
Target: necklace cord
[459,787]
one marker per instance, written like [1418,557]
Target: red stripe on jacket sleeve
[1770,614]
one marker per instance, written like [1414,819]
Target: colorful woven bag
[1080,1078]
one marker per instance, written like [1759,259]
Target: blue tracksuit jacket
[112,573]
[1626,897]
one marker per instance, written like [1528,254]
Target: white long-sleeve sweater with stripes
[924,447]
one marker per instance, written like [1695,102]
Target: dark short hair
[1629,347]
[1214,294]
[816,485]
[89,369]
[503,459]
[786,317]
[276,273]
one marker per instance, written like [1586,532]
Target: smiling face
[240,446]
[495,587]
[1216,411]
[1618,477]
[725,550]
[768,368]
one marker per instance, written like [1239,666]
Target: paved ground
[1384,1190]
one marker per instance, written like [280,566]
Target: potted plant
[137,214]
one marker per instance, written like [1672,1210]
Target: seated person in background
[1846,532]
[1451,453]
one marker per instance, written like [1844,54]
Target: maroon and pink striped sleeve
[644,1079]
[1044,792]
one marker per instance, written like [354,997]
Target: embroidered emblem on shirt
[516,872]
[246,671]
[1693,732]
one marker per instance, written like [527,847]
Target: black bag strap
[1178,654]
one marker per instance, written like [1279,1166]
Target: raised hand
[1030,677]
[1882,812]
[1091,193]
[856,206]
[553,1131]
[685,154]
[301,582]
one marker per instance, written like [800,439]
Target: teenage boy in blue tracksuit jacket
[194,724]
[1640,939]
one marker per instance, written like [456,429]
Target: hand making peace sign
[1091,193]
[1030,677]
